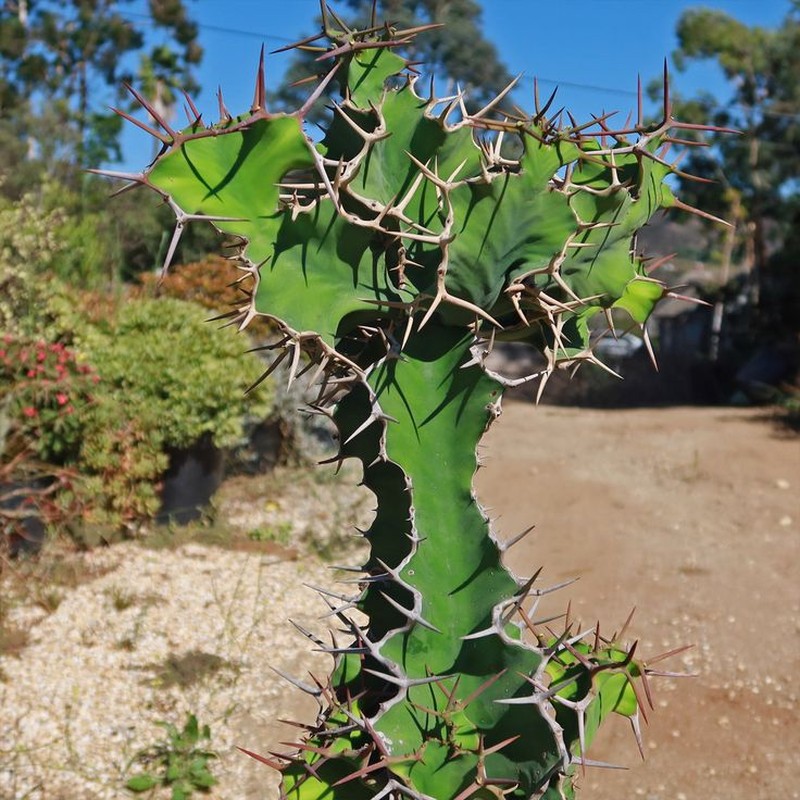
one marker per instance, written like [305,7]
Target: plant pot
[193,475]
[20,517]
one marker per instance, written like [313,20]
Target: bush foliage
[105,385]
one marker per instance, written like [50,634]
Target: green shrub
[146,351]
[150,355]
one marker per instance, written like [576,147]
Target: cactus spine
[391,255]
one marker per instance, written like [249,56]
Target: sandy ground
[692,515]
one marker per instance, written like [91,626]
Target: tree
[65,59]
[755,173]
[458,51]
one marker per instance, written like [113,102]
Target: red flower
[31,373]
[61,398]
[29,411]
[69,409]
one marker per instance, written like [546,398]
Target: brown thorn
[360,773]
[267,373]
[637,733]
[679,204]
[639,702]
[314,96]
[686,142]
[492,103]
[150,109]
[298,44]
[482,688]
[224,114]
[338,20]
[646,685]
[649,346]
[639,102]
[193,108]
[139,124]
[684,298]
[304,81]
[540,113]
[659,262]
[669,654]
[268,761]
[419,29]
[351,47]
[468,792]
[693,126]
[260,93]
[618,636]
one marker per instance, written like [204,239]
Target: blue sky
[593,49]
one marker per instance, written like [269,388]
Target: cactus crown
[391,255]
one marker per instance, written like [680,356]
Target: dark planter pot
[194,474]
[22,524]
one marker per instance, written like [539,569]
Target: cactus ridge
[391,255]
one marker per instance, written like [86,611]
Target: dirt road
[692,515]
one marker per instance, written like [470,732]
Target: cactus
[391,255]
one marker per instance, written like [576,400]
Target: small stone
[782,483]
[785,521]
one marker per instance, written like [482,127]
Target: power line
[217,29]
[549,81]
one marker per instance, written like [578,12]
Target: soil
[692,516]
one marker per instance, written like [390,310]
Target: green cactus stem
[391,255]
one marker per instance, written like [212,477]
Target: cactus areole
[391,254]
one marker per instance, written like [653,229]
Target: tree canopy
[756,172]
[65,61]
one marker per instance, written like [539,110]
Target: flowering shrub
[45,389]
[211,283]
[96,389]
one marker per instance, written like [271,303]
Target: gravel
[158,635]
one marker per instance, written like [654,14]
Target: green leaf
[141,783]
[191,730]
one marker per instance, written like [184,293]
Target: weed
[121,598]
[48,597]
[280,533]
[179,762]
